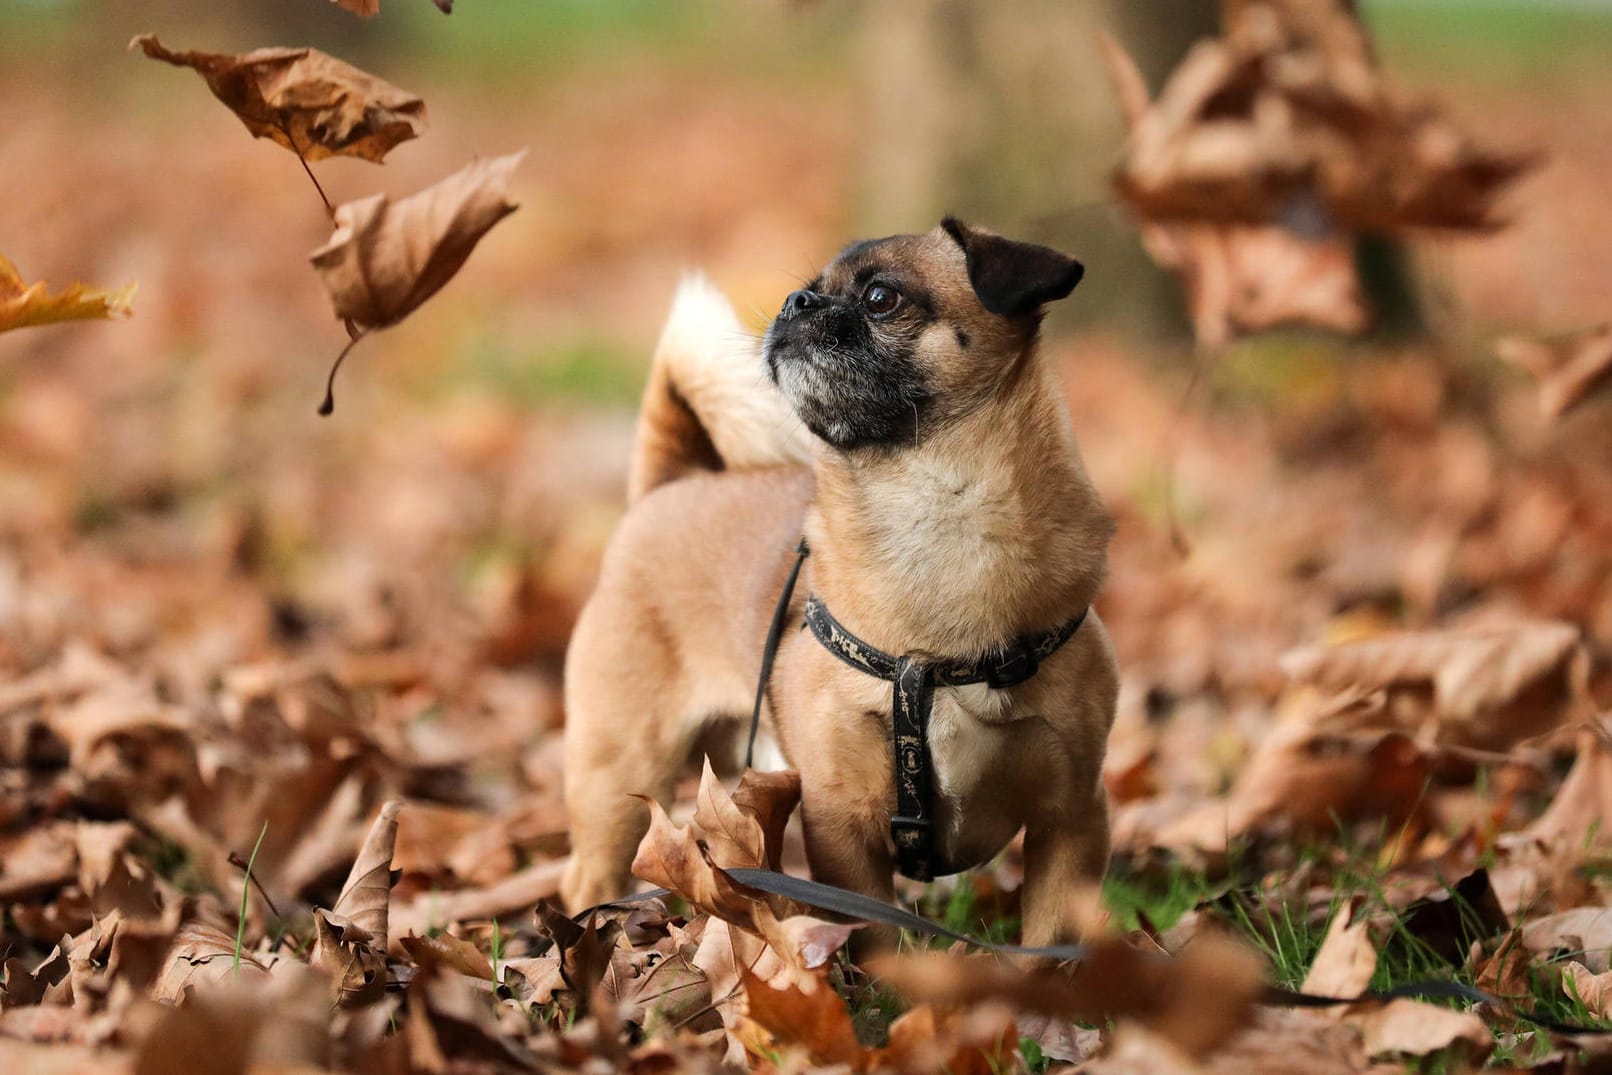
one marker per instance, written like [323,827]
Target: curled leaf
[368,889]
[384,259]
[313,104]
[24,305]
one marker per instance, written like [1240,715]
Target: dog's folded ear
[1013,278]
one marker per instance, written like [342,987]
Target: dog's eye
[879,299]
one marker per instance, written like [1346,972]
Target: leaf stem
[246,892]
[330,210]
[329,403]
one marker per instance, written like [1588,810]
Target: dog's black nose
[798,302]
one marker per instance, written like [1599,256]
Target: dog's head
[900,334]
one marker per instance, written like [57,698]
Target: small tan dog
[950,521]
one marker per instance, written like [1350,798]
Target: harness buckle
[914,846]
[1016,666]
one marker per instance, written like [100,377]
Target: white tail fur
[708,391]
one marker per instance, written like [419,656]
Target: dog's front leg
[1065,851]
[844,831]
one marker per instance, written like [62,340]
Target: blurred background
[170,501]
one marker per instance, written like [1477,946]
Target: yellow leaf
[22,306]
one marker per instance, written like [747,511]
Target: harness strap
[914,679]
[769,652]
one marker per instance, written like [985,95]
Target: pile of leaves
[279,731]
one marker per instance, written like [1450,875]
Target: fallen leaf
[449,951]
[1584,932]
[1405,1027]
[24,305]
[1196,1000]
[1568,368]
[1491,687]
[384,259]
[1347,959]
[200,955]
[1595,990]
[367,894]
[1576,819]
[313,104]
[815,1019]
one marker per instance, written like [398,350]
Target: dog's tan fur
[984,529]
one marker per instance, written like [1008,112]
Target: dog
[900,417]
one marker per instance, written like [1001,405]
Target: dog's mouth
[842,392]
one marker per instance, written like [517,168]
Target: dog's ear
[1012,278]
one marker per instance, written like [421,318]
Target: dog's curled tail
[708,404]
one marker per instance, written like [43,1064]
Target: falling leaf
[313,104]
[1243,279]
[1347,959]
[1288,108]
[24,305]
[384,259]
[1247,277]
[1569,368]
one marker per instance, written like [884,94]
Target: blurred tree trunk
[1003,113]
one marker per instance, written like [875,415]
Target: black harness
[914,678]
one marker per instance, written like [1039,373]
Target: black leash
[852,905]
[769,651]
[914,679]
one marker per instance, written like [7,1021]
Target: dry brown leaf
[1405,1027]
[1577,819]
[385,258]
[350,957]
[981,1041]
[200,955]
[1595,990]
[1287,109]
[1196,1000]
[366,895]
[1244,279]
[1347,959]
[449,951]
[1312,778]
[1490,687]
[1584,932]
[313,104]
[22,305]
[815,1020]
[517,892]
[1569,368]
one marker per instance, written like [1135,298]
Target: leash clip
[1014,668]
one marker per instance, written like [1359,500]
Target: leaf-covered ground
[1361,594]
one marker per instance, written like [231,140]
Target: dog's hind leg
[623,738]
